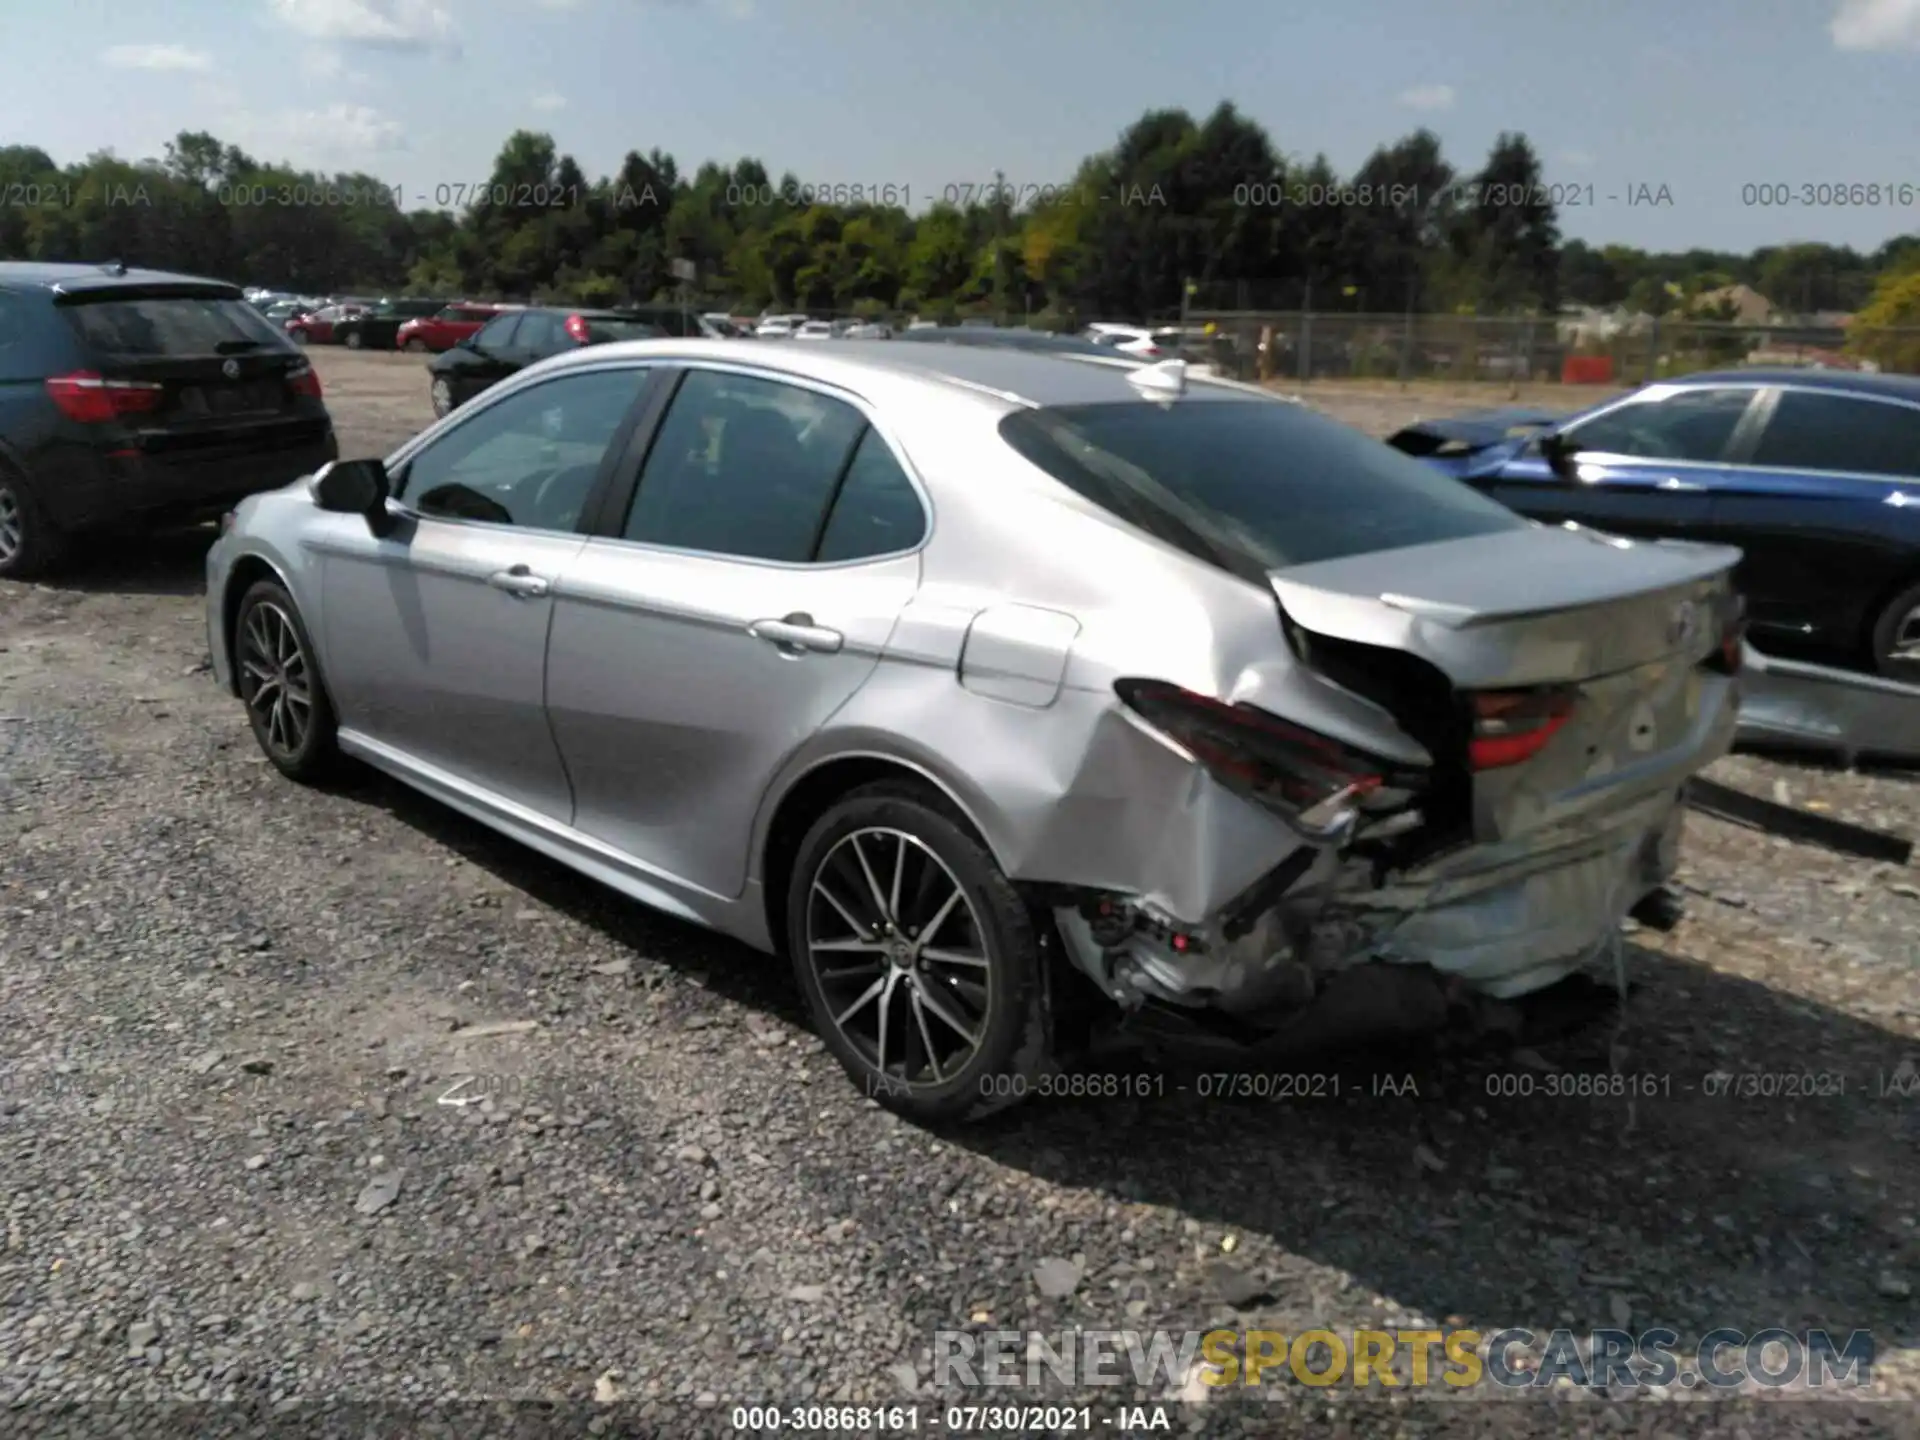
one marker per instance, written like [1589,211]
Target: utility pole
[999,247]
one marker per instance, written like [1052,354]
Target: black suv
[515,339]
[128,396]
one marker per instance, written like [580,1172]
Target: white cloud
[557,4]
[340,133]
[156,57]
[382,24]
[1428,97]
[549,101]
[1579,159]
[1877,25]
[324,63]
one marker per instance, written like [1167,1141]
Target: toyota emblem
[1684,625]
[231,369]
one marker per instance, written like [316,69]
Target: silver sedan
[987,685]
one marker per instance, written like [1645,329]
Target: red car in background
[317,328]
[448,328]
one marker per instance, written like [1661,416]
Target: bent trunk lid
[1623,625]
[1533,606]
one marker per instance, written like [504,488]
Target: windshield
[601,330]
[1250,485]
[169,325]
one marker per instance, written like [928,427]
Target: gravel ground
[230,1009]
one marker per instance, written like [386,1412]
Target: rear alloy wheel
[917,957]
[280,684]
[29,543]
[442,396]
[1896,638]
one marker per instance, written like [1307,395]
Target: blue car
[1814,474]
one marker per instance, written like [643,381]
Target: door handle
[796,634]
[519,582]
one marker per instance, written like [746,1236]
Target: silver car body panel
[666,727]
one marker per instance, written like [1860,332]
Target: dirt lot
[229,1007]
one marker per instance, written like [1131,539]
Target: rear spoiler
[1476,430]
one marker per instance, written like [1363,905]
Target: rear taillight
[1251,751]
[1150,351]
[304,380]
[577,329]
[1510,727]
[93,400]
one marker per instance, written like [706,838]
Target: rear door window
[157,327]
[1810,431]
[540,334]
[1250,485]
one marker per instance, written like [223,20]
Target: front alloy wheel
[280,684]
[354,340]
[442,396]
[917,957]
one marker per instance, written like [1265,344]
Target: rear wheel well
[811,797]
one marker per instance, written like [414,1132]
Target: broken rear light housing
[1251,751]
[1732,652]
[1510,727]
[303,379]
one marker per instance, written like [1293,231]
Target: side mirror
[1558,451]
[355,487]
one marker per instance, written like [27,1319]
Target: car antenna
[1169,377]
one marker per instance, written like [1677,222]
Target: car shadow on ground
[1477,1185]
[172,561]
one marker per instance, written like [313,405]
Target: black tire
[257,634]
[354,340]
[30,544]
[299,336]
[1013,1047]
[416,347]
[1887,636]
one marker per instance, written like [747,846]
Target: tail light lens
[94,400]
[577,329]
[1251,751]
[1510,727]
[304,380]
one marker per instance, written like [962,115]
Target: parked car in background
[322,326]
[511,342]
[815,330]
[867,330]
[378,328]
[774,327]
[1246,719]
[1132,340]
[134,396]
[1814,475]
[278,312]
[448,328]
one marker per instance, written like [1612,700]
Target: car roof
[1894,387]
[1033,341]
[1019,377]
[72,278]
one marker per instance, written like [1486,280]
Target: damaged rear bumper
[1496,921]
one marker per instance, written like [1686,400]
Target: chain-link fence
[1304,345]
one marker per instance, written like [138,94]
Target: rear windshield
[1249,485]
[170,325]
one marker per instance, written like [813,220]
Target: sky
[1655,119]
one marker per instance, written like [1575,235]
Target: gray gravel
[334,1096]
